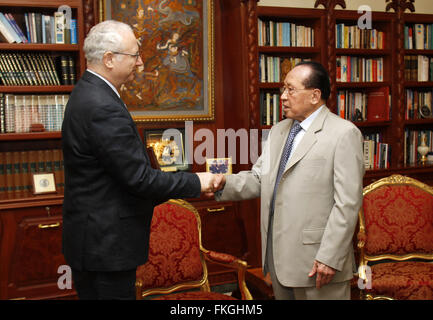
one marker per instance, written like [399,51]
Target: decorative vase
[423,149]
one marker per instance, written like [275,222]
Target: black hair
[318,78]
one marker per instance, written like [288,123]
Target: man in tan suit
[308,222]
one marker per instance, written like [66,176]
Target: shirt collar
[306,123]
[108,82]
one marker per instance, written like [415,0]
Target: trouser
[331,291]
[102,285]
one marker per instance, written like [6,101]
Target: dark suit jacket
[110,187]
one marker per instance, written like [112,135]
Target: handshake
[210,183]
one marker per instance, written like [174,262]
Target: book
[25,171]
[2,113]
[16,27]
[57,167]
[38,26]
[32,21]
[28,32]
[71,70]
[5,35]
[40,164]
[17,172]
[9,103]
[8,163]
[423,68]
[378,104]
[10,29]
[419,36]
[64,68]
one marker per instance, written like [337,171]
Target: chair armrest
[232,262]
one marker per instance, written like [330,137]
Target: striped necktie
[296,127]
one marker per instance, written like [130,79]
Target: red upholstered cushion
[196,295]
[174,254]
[398,220]
[403,280]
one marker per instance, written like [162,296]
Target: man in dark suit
[110,187]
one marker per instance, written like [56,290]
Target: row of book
[18,167]
[377,154]
[284,34]
[412,139]
[418,68]
[19,112]
[270,69]
[39,28]
[352,37]
[370,105]
[270,108]
[359,69]
[418,36]
[36,69]
[275,69]
[417,99]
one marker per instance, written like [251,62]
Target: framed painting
[176,37]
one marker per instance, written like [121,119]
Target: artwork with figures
[173,83]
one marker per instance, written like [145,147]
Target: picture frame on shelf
[43,183]
[176,37]
[219,165]
[169,148]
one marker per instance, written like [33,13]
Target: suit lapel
[276,147]
[308,140]
[90,77]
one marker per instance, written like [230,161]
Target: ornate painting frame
[176,81]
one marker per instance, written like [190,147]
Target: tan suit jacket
[317,200]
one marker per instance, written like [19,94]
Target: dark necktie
[283,161]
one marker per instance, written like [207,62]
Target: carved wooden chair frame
[394,179]
[225,260]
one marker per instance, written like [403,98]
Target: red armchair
[177,260]
[395,239]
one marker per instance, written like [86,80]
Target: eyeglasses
[291,91]
[128,54]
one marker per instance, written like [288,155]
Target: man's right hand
[210,182]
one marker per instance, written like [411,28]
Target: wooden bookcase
[30,225]
[324,22]
[287,52]
[377,73]
[24,140]
[415,88]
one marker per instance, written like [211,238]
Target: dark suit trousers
[101,285]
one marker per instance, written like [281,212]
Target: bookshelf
[418,84]
[30,240]
[36,75]
[283,40]
[380,87]
[364,88]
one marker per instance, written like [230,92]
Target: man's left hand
[324,273]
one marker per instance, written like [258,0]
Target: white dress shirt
[304,125]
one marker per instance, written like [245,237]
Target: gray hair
[103,37]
